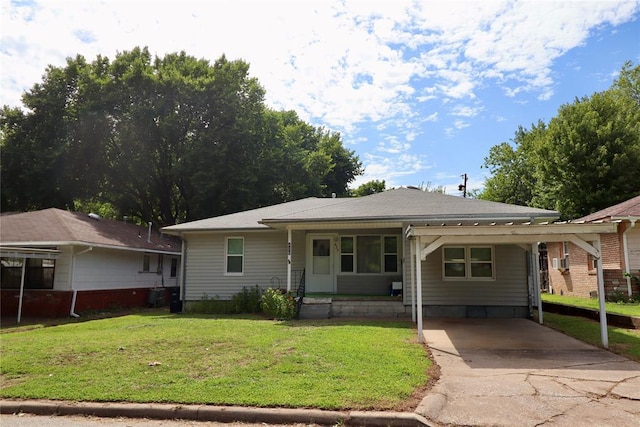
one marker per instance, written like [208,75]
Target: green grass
[191,359]
[627,309]
[625,342]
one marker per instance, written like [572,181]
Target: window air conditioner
[561,264]
[564,264]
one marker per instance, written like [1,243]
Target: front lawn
[625,342]
[191,359]
[626,309]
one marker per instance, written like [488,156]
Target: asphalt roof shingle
[629,207]
[57,225]
[401,204]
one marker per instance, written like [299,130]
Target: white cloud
[330,61]
[466,111]
[391,168]
[391,66]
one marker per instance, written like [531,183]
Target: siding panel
[265,263]
[114,269]
[509,288]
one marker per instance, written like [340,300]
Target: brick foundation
[50,303]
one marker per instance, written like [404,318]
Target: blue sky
[420,90]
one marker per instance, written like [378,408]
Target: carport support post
[536,278]
[604,333]
[413,284]
[419,289]
[24,267]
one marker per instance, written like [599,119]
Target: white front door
[320,274]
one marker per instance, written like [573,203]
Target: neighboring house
[574,272]
[477,258]
[70,263]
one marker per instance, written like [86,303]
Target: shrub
[278,304]
[207,305]
[247,301]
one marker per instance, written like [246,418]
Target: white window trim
[227,255]
[467,264]
[382,255]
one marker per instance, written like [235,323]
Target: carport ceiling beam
[514,230]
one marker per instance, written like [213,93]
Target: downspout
[289,237]
[625,250]
[183,271]
[72,311]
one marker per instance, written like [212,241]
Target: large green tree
[164,139]
[585,159]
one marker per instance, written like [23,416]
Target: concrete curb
[224,414]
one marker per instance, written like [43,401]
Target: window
[38,274]
[369,254]
[174,267]
[592,262]
[346,254]
[565,249]
[146,261]
[234,255]
[391,254]
[467,262]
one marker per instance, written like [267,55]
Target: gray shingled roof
[50,226]
[629,207]
[400,204]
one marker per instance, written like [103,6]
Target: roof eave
[88,244]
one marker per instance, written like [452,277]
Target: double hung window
[234,249]
[468,262]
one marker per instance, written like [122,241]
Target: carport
[426,238]
[24,254]
[506,372]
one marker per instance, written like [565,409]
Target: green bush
[278,304]
[207,305]
[247,300]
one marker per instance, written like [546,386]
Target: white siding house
[476,257]
[75,263]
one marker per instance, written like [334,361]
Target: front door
[320,264]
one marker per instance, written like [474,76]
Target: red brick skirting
[50,303]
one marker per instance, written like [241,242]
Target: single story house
[475,258]
[58,263]
[572,271]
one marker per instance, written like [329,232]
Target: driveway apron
[515,372]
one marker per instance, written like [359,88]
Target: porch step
[328,307]
[389,308]
[315,311]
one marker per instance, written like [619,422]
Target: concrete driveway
[515,372]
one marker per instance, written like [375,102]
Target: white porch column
[413,282]
[288,260]
[536,278]
[604,333]
[419,290]
[24,268]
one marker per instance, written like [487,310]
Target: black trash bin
[175,304]
[156,297]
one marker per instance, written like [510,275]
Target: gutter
[94,245]
[72,312]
